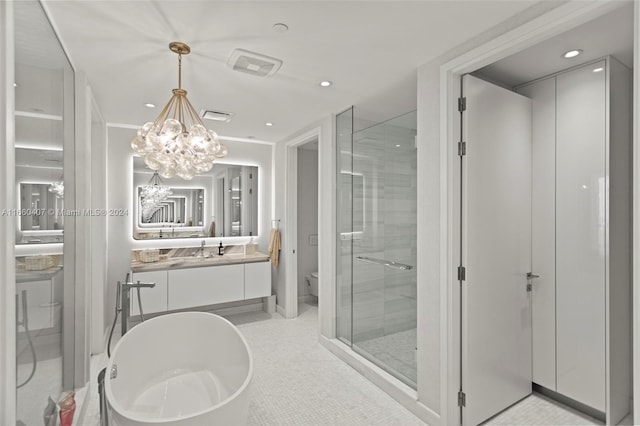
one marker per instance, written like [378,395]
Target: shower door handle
[383,262]
[530,277]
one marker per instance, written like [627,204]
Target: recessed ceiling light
[325,83]
[572,53]
[268,124]
[598,69]
[398,146]
[280,28]
[150,105]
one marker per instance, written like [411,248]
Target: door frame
[291,217]
[554,22]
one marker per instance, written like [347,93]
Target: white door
[496,241]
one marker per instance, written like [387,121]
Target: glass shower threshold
[397,371]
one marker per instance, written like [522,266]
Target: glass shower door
[379,248]
[344,219]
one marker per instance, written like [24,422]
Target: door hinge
[462,148]
[462,399]
[250,190]
[462,273]
[462,104]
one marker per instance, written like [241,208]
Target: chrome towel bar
[388,263]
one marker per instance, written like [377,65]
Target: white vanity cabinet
[205,286]
[581,235]
[257,280]
[43,292]
[201,286]
[153,299]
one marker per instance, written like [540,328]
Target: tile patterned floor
[397,351]
[298,382]
[540,410]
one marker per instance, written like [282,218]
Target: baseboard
[240,309]
[307,298]
[281,311]
[590,411]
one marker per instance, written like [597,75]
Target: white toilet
[312,282]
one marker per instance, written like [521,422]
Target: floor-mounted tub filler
[187,369]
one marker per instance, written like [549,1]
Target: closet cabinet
[581,226]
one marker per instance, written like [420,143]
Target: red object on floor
[67,409]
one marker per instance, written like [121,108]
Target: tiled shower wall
[384,221]
[376,218]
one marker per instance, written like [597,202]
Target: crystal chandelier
[152,195]
[57,188]
[177,142]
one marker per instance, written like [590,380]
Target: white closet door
[543,255]
[581,189]
[496,323]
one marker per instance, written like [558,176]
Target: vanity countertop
[197,262]
[45,274]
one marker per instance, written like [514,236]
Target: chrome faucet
[201,253]
[124,289]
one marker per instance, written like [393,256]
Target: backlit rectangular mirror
[40,190]
[220,203]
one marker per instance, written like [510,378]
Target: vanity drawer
[205,286]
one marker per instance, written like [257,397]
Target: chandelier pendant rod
[179,70]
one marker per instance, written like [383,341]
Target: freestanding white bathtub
[188,368]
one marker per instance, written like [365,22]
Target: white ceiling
[365,47]
[610,34]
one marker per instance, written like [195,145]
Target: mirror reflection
[184,207]
[40,196]
[219,203]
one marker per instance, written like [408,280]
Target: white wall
[307,217]
[121,196]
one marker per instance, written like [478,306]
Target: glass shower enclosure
[376,241]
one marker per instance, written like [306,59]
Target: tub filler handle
[114,371]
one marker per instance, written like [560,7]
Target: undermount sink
[197,252]
[185,252]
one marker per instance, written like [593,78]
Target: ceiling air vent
[216,115]
[253,63]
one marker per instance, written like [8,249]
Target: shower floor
[397,351]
